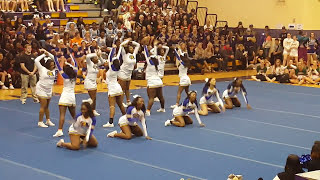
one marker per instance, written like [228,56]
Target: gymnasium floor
[254,143]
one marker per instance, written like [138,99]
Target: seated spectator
[218,58]
[77,39]
[228,55]
[314,72]
[279,72]
[259,56]
[262,73]
[242,56]
[314,164]
[199,58]
[300,75]
[292,168]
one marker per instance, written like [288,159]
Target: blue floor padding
[254,143]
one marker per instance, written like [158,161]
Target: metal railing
[203,15]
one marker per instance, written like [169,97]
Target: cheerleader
[128,123]
[206,102]
[93,61]
[230,94]
[185,82]
[312,45]
[47,74]
[162,57]
[129,61]
[154,82]
[67,98]
[115,93]
[294,50]
[180,113]
[81,130]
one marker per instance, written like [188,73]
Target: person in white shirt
[47,74]
[208,26]
[129,62]
[286,48]
[294,49]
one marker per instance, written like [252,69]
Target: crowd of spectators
[147,22]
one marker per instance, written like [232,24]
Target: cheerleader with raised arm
[129,62]
[180,113]
[206,102]
[183,66]
[230,94]
[68,97]
[115,93]
[129,122]
[46,68]
[161,53]
[93,61]
[154,82]
[81,131]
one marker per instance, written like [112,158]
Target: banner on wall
[299,26]
[292,26]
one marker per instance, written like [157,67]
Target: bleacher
[78,8]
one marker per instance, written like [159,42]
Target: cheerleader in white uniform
[180,113]
[230,94]
[68,97]
[129,123]
[93,60]
[206,102]
[294,49]
[162,58]
[81,131]
[115,93]
[47,74]
[185,82]
[154,82]
[129,62]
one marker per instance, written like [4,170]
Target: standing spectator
[28,70]
[277,51]
[228,55]
[283,35]
[267,44]
[249,41]
[287,48]
[302,50]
